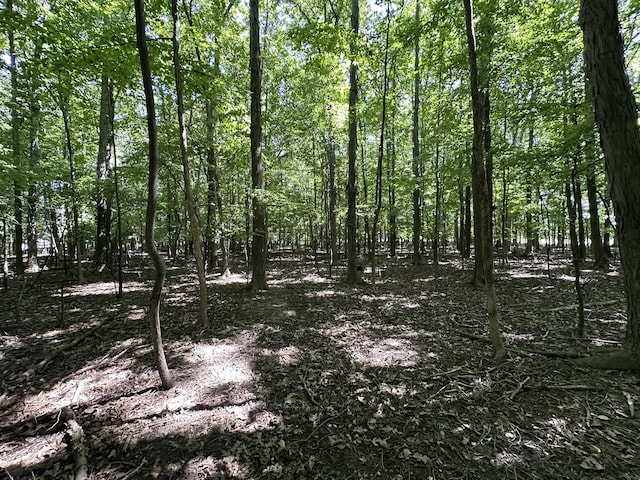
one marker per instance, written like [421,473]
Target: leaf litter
[314,379]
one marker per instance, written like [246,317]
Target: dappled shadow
[316,379]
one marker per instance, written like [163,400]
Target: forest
[321,239]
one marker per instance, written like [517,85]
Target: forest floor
[314,379]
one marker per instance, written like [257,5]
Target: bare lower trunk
[152,200]
[483,238]
[352,221]
[617,119]
[194,228]
[258,194]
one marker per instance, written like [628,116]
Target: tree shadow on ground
[315,379]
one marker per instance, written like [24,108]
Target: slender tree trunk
[103,171]
[259,201]
[34,159]
[617,119]
[64,107]
[367,250]
[393,213]
[352,221]
[483,242]
[383,123]
[575,253]
[415,136]
[116,185]
[194,227]
[438,203]
[15,147]
[467,223]
[330,151]
[582,245]
[152,200]
[600,259]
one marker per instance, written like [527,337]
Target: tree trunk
[483,240]
[467,222]
[597,249]
[617,119]
[415,136]
[152,200]
[352,221]
[186,171]
[34,159]
[393,212]
[575,253]
[15,147]
[330,151]
[259,201]
[383,123]
[582,245]
[64,107]
[103,171]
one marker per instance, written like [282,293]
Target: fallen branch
[44,362]
[75,439]
[572,306]
[527,351]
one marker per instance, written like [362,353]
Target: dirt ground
[314,379]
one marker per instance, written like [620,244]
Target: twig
[326,420]
[309,393]
[134,471]
[518,389]
[8,474]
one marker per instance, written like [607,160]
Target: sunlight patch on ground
[505,458]
[211,467]
[233,279]
[285,356]
[312,278]
[224,363]
[520,336]
[371,351]
[31,451]
[102,288]
[525,274]
[9,342]
[325,293]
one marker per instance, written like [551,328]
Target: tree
[352,221]
[480,184]
[152,200]
[258,193]
[15,144]
[103,170]
[186,170]
[617,120]
[415,137]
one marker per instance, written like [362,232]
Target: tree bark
[152,200]
[383,123]
[415,137]
[103,171]
[617,119]
[15,146]
[259,201]
[34,159]
[194,227]
[483,240]
[352,221]
[330,151]
[66,117]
